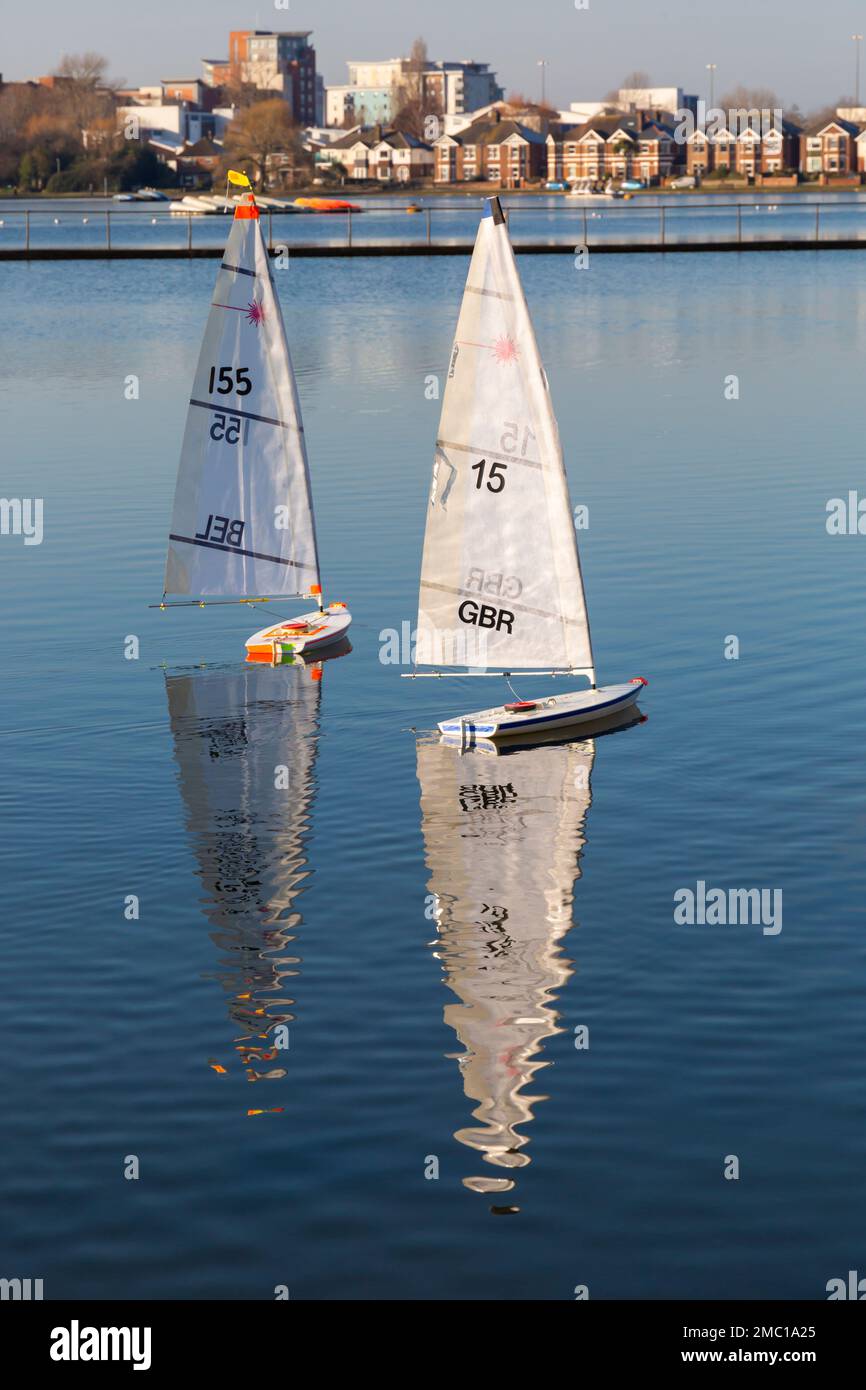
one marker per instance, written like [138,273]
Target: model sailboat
[501,587]
[242,526]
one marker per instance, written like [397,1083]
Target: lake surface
[430,931]
[651,218]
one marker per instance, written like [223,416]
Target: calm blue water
[649,218]
[430,945]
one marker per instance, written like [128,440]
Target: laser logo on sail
[505,350]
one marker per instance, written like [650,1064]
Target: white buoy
[57,221]
[85,220]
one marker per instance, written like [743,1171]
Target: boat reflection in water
[245,740]
[504,829]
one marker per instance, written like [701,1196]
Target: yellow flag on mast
[235,177]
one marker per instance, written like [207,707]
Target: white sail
[503,838]
[500,577]
[242,522]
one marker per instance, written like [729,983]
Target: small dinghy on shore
[501,588]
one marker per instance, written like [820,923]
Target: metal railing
[657,224]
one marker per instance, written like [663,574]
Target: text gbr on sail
[485,615]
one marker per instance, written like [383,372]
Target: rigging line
[506,675]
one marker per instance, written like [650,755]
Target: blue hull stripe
[454,727]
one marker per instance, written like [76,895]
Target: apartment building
[281,62]
[373,89]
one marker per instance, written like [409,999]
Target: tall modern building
[373,89]
[283,63]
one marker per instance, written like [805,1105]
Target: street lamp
[542,63]
[711,69]
[857,39]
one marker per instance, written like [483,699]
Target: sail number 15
[495,477]
[230,379]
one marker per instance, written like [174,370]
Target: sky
[801,49]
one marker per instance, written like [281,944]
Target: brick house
[400,157]
[639,146]
[503,152]
[387,155]
[780,149]
[747,153]
[829,147]
[197,163]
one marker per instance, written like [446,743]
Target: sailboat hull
[548,713]
[311,632]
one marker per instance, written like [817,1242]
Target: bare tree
[825,114]
[749,99]
[88,69]
[522,103]
[413,101]
[631,81]
[87,90]
[238,92]
[260,133]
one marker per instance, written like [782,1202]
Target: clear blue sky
[800,48]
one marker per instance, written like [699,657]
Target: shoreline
[311,250]
[460,190]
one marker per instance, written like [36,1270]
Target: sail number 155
[230,379]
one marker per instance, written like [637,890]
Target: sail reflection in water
[245,743]
[503,836]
